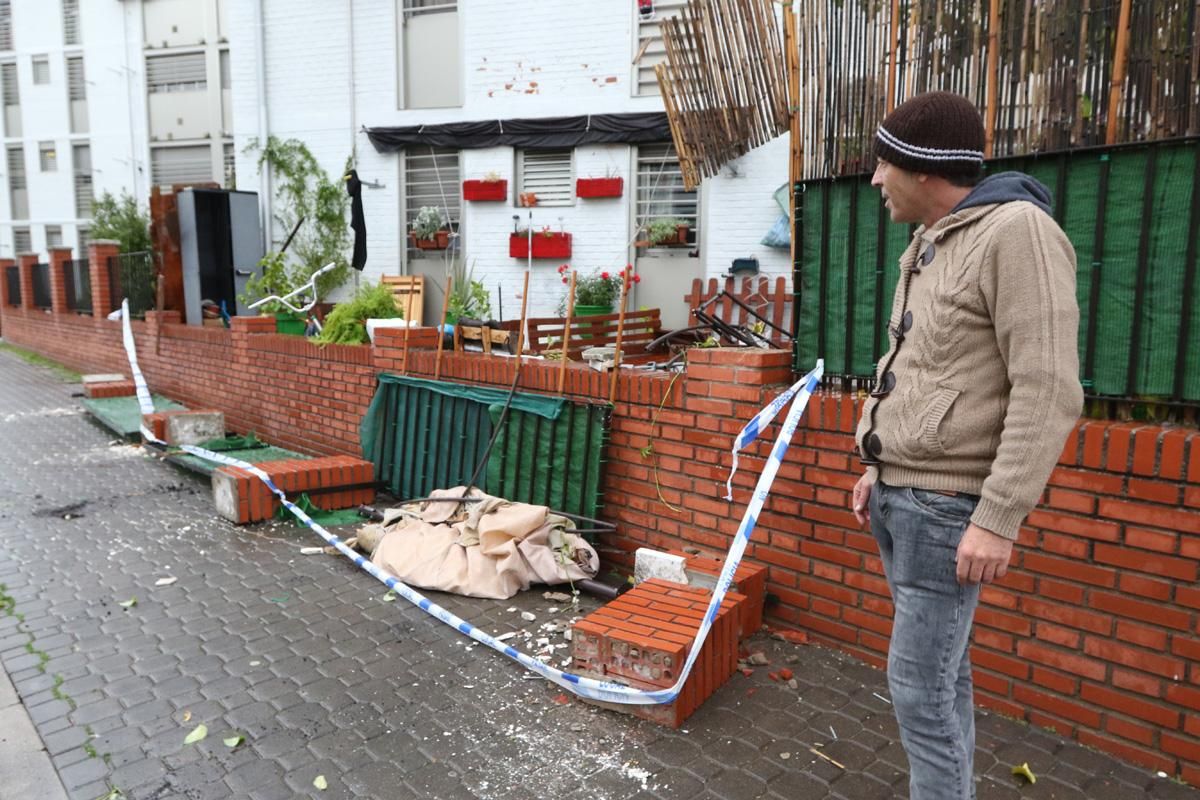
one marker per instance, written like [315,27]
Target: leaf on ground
[130,603]
[165,581]
[389,597]
[320,782]
[187,716]
[234,741]
[196,735]
[1025,772]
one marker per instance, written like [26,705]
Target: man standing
[972,404]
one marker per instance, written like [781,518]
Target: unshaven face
[903,192]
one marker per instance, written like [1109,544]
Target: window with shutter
[6,37]
[81,158]
[8,75]
[548,174]
[431,178]
[414,8]
[176,73]
[230,164]
[649,49]
[70,10]
[180,165]
[41,70]
[82,237]
[48,156]
[660,192]
[76,84]
[22,241]
[54,236]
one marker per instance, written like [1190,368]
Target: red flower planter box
[553,245]
[485,190]
[599,187]
[440,241]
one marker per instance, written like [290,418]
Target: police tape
[580,685]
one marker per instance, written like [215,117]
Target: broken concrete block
[110,377]
[655,564]
[194,427]
[241,497]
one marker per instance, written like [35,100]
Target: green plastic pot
[289,323]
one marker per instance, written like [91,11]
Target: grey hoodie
[1005,187]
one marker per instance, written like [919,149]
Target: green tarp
[845,283]
[424,435]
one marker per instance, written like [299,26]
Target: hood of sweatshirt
[1007,187]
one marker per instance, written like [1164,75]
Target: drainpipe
[264,123]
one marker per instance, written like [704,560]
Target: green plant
[346,324]
[664,229]
[428,222]
[303,191]
[121,220]
[468,298]
[600,288]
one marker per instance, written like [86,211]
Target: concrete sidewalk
[303,657]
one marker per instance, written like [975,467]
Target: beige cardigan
[987,377]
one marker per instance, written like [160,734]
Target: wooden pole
[521,331]
[562,368]
[893,45]
[993,77]
[1120,58]
[796,145]
[626,279]
[407,328]
[437,365]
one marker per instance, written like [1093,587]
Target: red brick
[1172,668]
[1147,758]
[1078,526]
[1059,706]
[1077,502]
[1072,570]
[1185,748]
[1143,514]
[1170,457]
[1127,729]
[1179,568]
[1119,437]
[1154,613]
[1145,451]
[1129,705]
[1154,491]
[1060,659]
[1095,482]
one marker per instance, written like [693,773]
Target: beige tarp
[490,548]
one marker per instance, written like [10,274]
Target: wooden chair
[409,294]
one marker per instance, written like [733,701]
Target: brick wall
[1092,633]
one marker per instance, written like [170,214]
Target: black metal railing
[131,277]
[1132,213]
[12,276]
[77,281]
[41,286]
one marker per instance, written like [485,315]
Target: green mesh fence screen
[1132,214]
[424,435]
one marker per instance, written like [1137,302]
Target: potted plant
[667,232]
[469,299]
[491,188]
[546,244]
[527,199]
[427,231]
[597,293]
[599,187]
[346,324]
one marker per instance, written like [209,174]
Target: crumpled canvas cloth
[491,548]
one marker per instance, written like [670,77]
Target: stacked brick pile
[120,388]
[241,497]
[749,580]
[643,638]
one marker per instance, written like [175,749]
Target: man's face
[903,192]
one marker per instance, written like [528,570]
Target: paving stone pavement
[303,657]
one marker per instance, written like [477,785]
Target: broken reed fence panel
[566,336]
[1047,77]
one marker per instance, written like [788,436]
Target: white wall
[558,59]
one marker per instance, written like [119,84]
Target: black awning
[542,132]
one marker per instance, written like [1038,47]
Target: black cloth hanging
[357,221]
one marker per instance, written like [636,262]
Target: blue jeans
[929,669]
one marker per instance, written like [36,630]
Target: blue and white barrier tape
[577,684]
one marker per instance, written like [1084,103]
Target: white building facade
[323,72]
[107,95]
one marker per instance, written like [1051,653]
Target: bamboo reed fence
[724,83]
[1048,75]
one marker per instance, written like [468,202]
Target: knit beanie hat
[936,133]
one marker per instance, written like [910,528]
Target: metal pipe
[264,121]
[600,589]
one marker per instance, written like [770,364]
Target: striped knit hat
[936,133]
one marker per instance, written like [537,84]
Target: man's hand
[860,500]
[982,555]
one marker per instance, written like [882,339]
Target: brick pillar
[5,263]
[25,262]
[58,285]
[156,319]
[99,252]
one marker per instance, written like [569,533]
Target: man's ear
[922,177]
